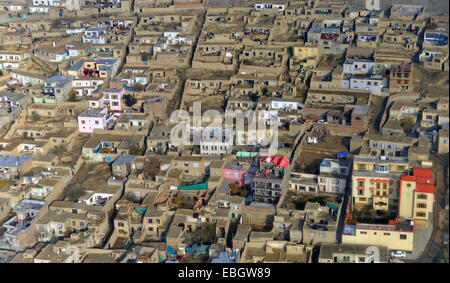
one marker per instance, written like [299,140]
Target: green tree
[135,150]
[431,26]
[330,58]
[179,199]
[253,97]
[408,125]
[207,232]
[234,188]
[73,193]
[73,96]
[35,117]
[129,100]
[264,91]
[145,56]
[243,192]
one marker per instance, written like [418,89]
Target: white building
[95,35]
[360,66]
[374,83]
[221,144]
[282,104]
[53,3]
[269,6]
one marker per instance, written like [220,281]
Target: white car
[398,254]
[322,122]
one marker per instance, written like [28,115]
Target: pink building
[111,98]
[241,174]
[94,119]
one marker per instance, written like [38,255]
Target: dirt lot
[297,201]
[90,176]
[377,108]
[311,155]
[431,83]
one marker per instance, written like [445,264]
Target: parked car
[398,254]
[322,121]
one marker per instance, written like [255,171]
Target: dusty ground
[91,175]
[431,83]
[291,197]
[311,155]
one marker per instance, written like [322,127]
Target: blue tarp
[128,87]
[342,154]
[332,206]
[170,251]
[197,249]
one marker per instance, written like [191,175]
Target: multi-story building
[332,178]
[417,195]
[94,119]
[95,35]
[271,179]
[375,182]
[401,78]
[212,145]
[57,88]
[352,253]
[20,232]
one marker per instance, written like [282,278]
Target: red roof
[284,162]
[276,159]
[267,159]
[408,178]
[423,178]
[422,172]
[425,188]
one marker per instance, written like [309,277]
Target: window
[421,205]
[120,224]
[311,234]
[360,192]
[422,196]
[362,259]
[386,234]
[363,233]
[346,259]
[403,236]
[360,183]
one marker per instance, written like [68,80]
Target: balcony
[381,169]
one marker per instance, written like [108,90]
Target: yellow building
[417,196]
[375,182]
[304,52]
[397,235]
